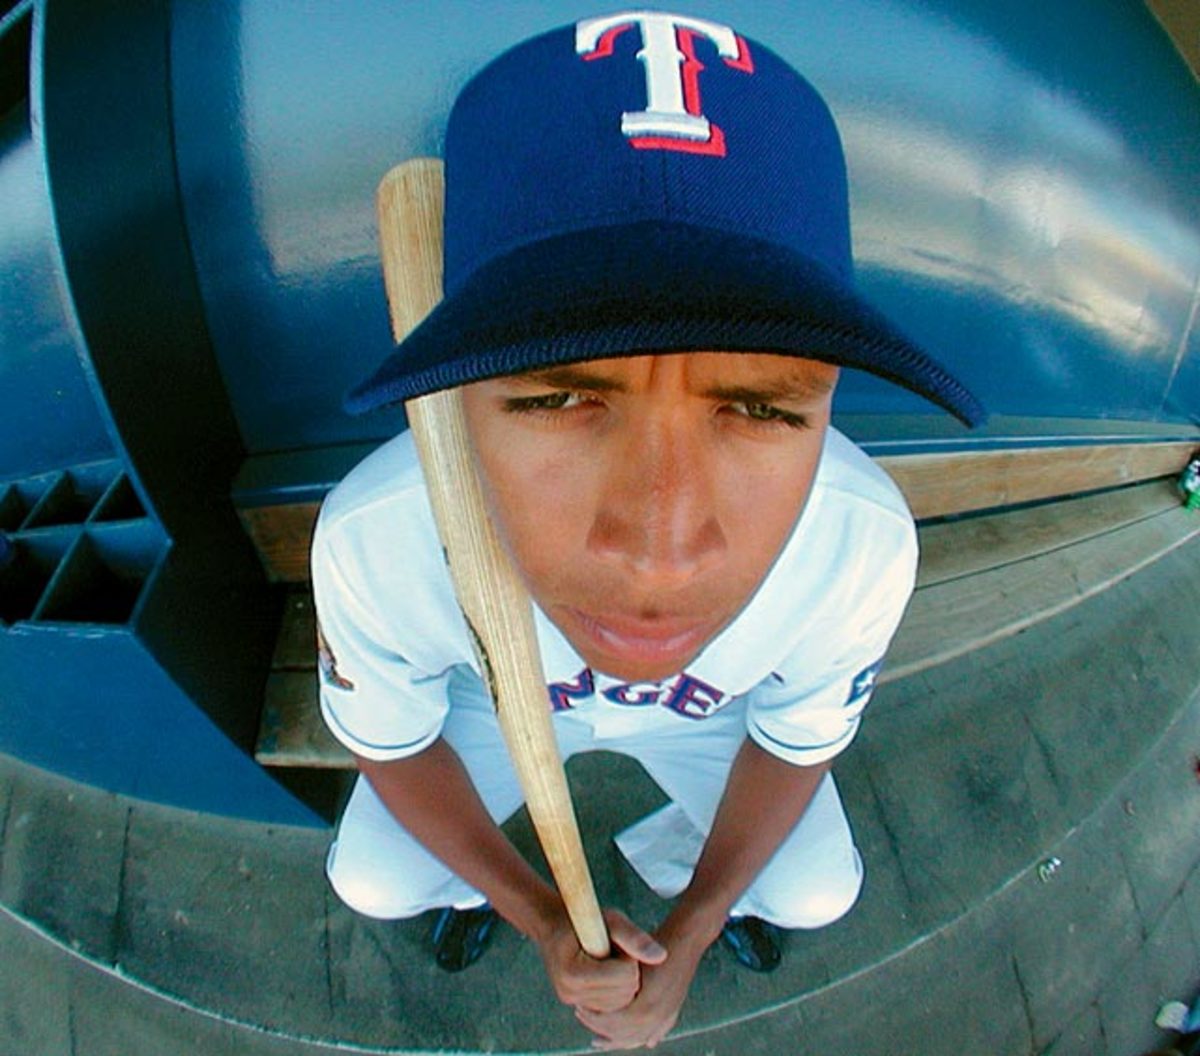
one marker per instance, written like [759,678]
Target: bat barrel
[490,593]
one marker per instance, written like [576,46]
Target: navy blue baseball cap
[645,182]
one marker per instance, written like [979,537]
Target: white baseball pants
[814,878]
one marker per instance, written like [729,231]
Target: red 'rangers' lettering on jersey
[685,695]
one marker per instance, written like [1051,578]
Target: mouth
[651,647]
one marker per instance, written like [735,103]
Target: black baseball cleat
[460,936]
[754,942]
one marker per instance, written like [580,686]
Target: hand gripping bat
[490,593]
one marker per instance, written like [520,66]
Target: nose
[657,515]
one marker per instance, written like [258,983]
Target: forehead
[759,373]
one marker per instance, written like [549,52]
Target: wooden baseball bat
[490,593]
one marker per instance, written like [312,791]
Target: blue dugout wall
[189,281]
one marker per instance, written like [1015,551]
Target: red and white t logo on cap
[672,119]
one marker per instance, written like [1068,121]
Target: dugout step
[1071,743]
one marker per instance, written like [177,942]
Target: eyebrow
[570,378]
[579,379]
[770,392]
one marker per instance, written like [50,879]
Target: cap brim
[650,287]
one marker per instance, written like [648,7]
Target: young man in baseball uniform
[649,296]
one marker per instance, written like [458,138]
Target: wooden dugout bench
[1008,538]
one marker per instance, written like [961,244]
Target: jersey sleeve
[809,709]
[374,700]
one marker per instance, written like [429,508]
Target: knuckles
[604,986]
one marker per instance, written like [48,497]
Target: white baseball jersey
[804,652]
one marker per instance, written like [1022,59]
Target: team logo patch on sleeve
[864,682]
[327,662]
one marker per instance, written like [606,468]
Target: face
[644,499]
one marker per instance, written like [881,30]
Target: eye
[562,400]
[769,414]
